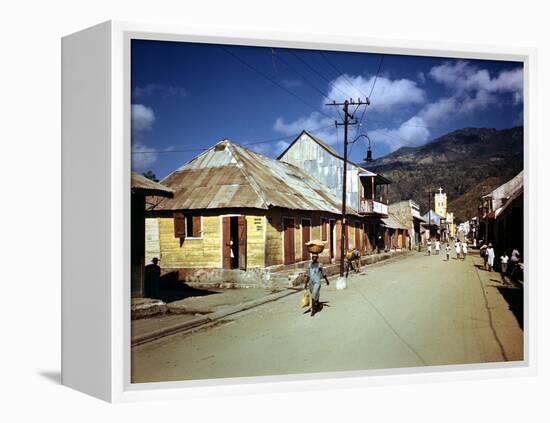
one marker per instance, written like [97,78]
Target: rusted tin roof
[148,187]
[231,176]
[392,222]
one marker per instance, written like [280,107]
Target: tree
[150,175]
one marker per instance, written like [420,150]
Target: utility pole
[429,215]
[349,119]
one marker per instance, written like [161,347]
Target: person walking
[490,257]
[429,249]
[437,247]
[514,260]
[464,250]
[314,274]
[458,249]
[504,264]
[448,251]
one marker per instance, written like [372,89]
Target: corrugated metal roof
[149,187]
[392,222]
[231,176]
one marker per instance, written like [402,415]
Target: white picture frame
[96,161]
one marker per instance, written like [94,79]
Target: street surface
[416,311]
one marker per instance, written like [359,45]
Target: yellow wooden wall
[264,240]
[206,251]
[274,234]
[255,237]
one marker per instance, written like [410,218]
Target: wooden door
[358,237]
[366,241]
[226,238]
[242,242]
[338,238]
[306,237]
[331,230]
[288,241]
[346,239]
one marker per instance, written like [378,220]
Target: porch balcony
[373,207]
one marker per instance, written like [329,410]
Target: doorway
[332,227]
[306,237]
[234,242]
[288,241]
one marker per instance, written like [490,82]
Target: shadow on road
[514,298]
[172,289]
[322,304]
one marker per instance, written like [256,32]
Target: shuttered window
[187,226]
[193,226]
[179,225]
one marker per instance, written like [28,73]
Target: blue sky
[188,96]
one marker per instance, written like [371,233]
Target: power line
[280,57]
[342,74]
[376,77]
[318,73]
[245,143]
[371,90]
[274,82]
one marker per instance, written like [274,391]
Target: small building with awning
[396,234]
[141,189]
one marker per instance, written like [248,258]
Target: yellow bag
[305,298]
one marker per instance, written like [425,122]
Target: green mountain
[466,163]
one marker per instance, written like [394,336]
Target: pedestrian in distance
[315,273]
[458,250]
[437,247]
[490,257]
[464,250]
[429,248]
[448,251]
[514,261]
[504,263]
[152,278]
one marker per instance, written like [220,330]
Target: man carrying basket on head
[314,274]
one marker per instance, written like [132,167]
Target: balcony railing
[372,206]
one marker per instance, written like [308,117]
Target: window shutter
[196,227]
[324,229]
[179,225]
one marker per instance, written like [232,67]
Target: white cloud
[422,77]
[387,93]
[143,118]
[462,76]
[143,157]
[161,90]
[315,122]
[412,132]
[291,83]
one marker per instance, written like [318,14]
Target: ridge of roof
[240,165]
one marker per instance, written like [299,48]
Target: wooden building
[407,212]
[237,209]
[366,191]
[501,216]
[141,189]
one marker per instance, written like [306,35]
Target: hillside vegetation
[466,163]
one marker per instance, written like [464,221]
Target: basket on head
[315,247]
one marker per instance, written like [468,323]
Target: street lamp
[368,159]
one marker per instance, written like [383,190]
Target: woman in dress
[314,274]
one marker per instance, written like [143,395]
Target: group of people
[508,263]
[461,249]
